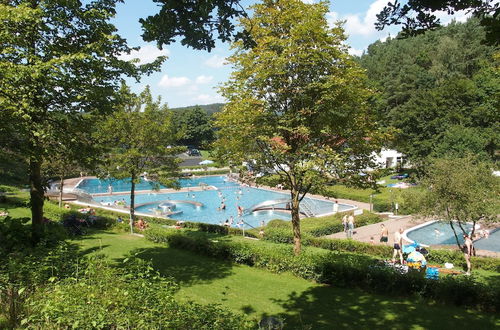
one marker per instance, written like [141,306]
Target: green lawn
[300,303]
[16,211]
[205,154]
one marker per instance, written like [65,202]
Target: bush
[340,269]
[382,201]
[270,180]
[351,246]
[442,256]
[22,271]
[134,296]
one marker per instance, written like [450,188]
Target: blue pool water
[232,192]
[437,233]
[492,243]
[96,186]
[440,233]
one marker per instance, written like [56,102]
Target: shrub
[351,246]
[23,270]
[134,296]
[340,269]
[270,180]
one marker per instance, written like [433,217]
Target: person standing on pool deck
[336,207]
[398,245]
[384,234]
[350,225]
[468,250]
[344,223]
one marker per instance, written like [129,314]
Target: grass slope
[300,303]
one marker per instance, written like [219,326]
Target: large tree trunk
[36,200]
[132,204]
[296,220]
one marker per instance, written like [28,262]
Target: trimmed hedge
[340,269]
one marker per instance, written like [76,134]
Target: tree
[460,191]
[59,70]
[417,16]
[140,138]
[196,22]
[297,102]
[197,126]
[439,90]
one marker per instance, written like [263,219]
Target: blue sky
[190,77]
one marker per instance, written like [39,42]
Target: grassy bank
[257,293]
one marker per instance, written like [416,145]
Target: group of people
[467,248]
[87,210]
[230,222]
[348,223]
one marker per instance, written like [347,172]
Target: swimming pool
[440,233]
[98,186]
[492,243]
[231,192]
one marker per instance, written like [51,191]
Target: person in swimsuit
[384,234]
[468,250]
[350,226]
[398,245]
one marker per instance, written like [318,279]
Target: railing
[308,207]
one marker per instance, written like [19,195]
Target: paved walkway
[364,234]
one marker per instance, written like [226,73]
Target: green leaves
[439,90]
[297,101]
[140,137]
[298,86]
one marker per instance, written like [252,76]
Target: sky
[191,77]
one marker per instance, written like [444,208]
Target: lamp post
[371,202]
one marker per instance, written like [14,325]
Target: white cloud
[309,2]
[203,79]
[363,24]
[355,52]
[208,99]
[215,61]
[459,16]
[360,24]
[167,81]
[146,54]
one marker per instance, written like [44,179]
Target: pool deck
[364,234]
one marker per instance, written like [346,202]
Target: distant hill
[209,108]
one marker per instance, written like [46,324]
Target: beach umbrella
[415,260]
[206,162]
[416,256]
[408,248]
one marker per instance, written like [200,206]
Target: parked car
[193,152]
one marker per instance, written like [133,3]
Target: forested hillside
[209,108]
[441,90]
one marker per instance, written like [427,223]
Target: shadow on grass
[326,307]
[185,267]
